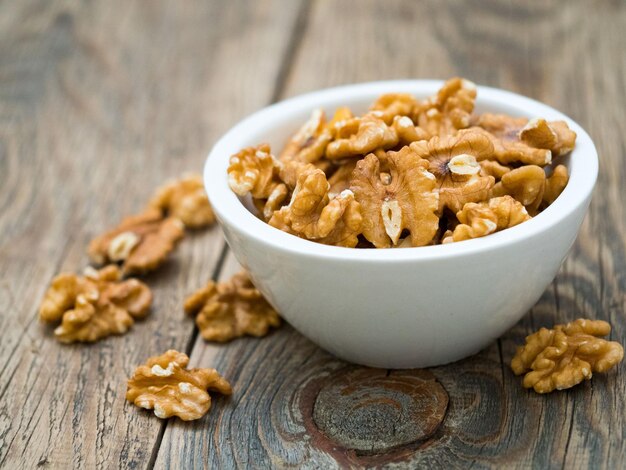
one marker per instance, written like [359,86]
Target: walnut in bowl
[423,305]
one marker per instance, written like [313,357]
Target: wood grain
[533,48]
[100,102]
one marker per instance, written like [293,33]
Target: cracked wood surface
[101,102]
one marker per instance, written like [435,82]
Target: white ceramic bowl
[399,308]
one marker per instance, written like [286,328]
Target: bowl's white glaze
[400,308]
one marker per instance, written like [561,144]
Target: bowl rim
[231,211]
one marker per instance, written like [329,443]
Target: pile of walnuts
[406,173]
[89,307]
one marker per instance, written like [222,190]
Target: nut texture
[165,385]
[392,105]
[555,184]
[311,214]
[483,218]
[231,309]
[309,143]
[253,170]
[527,184]
[533,142]
[140,242]
[453,159]
[449,110]
[185,199]
[94,306]
[370,180]
[404,198]
[359,136]
[559,358]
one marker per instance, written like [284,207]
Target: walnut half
[140,242]
[94,306]
[165,385]
[404,197]
[566,355]
[185,199]
[483,218]
[228,310]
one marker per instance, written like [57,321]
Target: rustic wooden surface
[102,101]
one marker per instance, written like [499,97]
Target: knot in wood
[370,412]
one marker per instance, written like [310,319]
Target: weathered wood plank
[100,103]
[534,48]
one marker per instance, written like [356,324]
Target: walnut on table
[483,218]
[165,385]
[453,159]
[185,199]
[559,358]
[94,306]
[449,110]
[231,309]
[402,197]
[313,215]
[140,242]
[531,142]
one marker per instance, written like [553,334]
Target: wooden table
[100,102]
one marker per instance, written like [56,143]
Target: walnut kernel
[140,242]
[533,142]
[405,197]
[453,159]
[228,310]
[359,136]
[185,199]
[392,105]
[566,355]
[555,184]
[165,385]
[483,218]
[94,306]
[311,214]
[526,184]
[449,110]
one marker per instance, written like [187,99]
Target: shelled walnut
[254,171]
[392,105]
[228,310]
[559,358]
[140,243]
[185,199]
[402,198]
[371,180]
[531,142]
[311,214]
[453,160]
[449,110]
[483,218]
[94,306]
[165,385]
[359,136]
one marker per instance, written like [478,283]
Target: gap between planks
[284,71]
